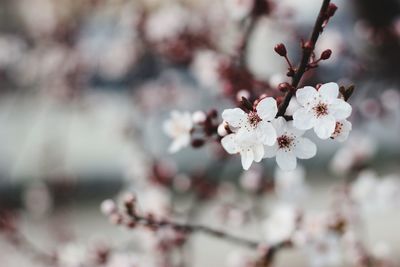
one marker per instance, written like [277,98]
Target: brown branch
[191,228]
[308,49]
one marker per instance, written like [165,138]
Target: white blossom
[320,109]
[178,127]
[254,122]
[342,130]
[289,145]
[246,145]
[251,130]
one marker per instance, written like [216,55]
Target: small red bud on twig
[326,54]
[284,87]
[308,46]
[331,10]
[196,143]
[280,49]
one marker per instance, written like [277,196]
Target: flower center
[285,141]
[253,118]
[321,109]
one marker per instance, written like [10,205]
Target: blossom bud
[213,113]
[280,49]
[222,129]
[196,143]
[199,117]
[284,87]
[242,93]
[331,10]
[290,73]
[308,46]
[326,54]
[108,207]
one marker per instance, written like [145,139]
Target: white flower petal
[247,157]
[325,126]
[306,95]
[258,151]
[229,144]
[329,91]
[340,109]
[266,133]
[270,151]
[279,125]
[234,117]
[305,149]
[293,130]
[303,120]
[267,108]
[286,160]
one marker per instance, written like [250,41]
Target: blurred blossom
[205,68]
[178,127]
[239,9]
[239,259]
[281,223]
[155,200]
[123,260]
[72,255]
[376,194]
[251,180]
[290,185]
[38,200]
[390,99]
[358,150]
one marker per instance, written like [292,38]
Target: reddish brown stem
[307,52]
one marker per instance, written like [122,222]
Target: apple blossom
[178,127]
[289,145]
[320,109]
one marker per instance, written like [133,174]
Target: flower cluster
[257,133]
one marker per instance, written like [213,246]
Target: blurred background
[85,86]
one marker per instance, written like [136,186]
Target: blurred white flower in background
[321,109]
[239,9]
[358,150]
[373,193]
[281,223]
[72,255]
[178,127]
[290,185]
[252,179]
[205,68]
[155,200]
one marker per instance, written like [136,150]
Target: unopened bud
[199,117]
[331,10]
[280,49]
[196,143]
[326,54]
[222,129]
[308,46]
[108,207]
[284,87]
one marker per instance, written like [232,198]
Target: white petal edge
[329,91]
[234,116]
[306,95]
[325,126]
[305,149]
[229,144]
[286,160]
[267,108]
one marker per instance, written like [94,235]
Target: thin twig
[307,52]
